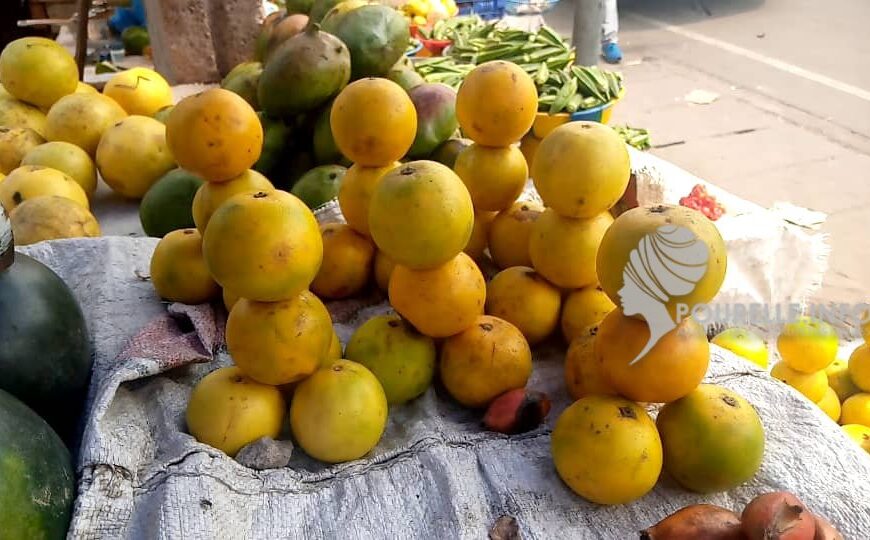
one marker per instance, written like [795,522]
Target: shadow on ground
[688,11]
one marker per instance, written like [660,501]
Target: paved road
[792,118]
[809,55]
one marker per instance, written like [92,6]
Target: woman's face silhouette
[632,298]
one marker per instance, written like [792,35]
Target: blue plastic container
[595,114]
[486,9]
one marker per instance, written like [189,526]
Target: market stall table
[435,474]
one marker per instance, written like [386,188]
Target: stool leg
[84,7]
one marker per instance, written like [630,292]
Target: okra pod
[574,103]
[502,53]
[542,74]
[565,93]
[590,101]
[540,55]
[600,80]
[551,36]
[588,87]
[614,82]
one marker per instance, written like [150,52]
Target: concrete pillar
[588,16]
[199,41]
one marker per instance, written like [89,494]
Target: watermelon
[37,484]
[45,359]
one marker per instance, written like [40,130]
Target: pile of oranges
[425,233]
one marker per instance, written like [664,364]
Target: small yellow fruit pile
[87,131]
[808,348]
[423,12]
[45,186]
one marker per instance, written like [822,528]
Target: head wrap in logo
[667,263]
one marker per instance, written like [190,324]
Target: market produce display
[416,229]
[425,162]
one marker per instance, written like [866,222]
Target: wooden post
[84,8]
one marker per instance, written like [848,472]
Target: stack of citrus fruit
[605,446]
[808,348]
[264,248]
[419,216]
[373,123]
[660,358]
[495,106]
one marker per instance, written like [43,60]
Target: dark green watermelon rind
[45,357]
[37,484]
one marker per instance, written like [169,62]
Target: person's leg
[610,25]
[609,33]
